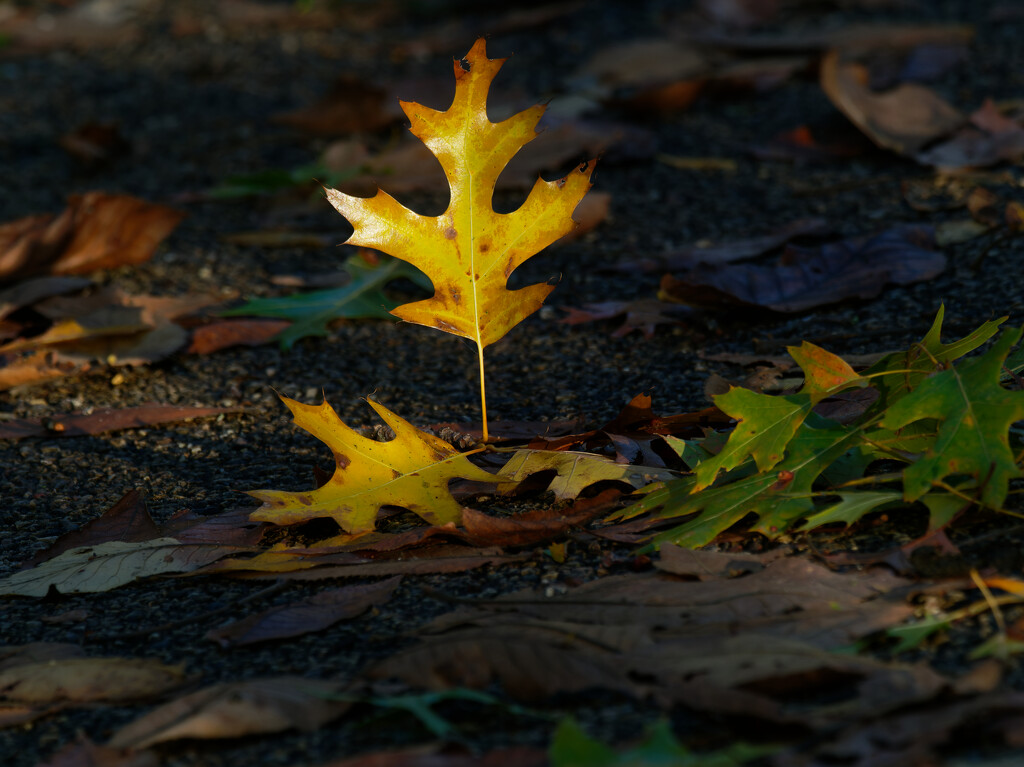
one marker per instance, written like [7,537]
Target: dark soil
[196,109]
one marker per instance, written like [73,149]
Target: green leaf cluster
[944,419]
[572,747]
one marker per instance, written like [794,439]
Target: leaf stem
[483,393]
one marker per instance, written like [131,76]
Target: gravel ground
[195,110]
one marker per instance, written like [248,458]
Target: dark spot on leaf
[484,247]
[449,233]
[456,297]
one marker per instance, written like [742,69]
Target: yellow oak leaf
[469,251]
[574,472]
[412,471]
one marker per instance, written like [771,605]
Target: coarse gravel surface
[196,112]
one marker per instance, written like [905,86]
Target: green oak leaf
[974,414]
[890,374]
[361,298]
[852,506]
[572,747]
[766,425]
[779,497]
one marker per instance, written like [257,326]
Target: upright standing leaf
[469,251]
[411,471]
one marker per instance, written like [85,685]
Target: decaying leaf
[234,709]
[215,336]
[95,231]
[84,753]
[313,614]
[36,289]
[903,119]
[129,521]
[732,250]
[989,138]
[737,644]
[574,472]
[107,327]
[644,315]
[87,680]
[100,421]
[469,251]
[412,471]
[108,565]
[805,277]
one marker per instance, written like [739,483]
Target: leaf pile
[945,420]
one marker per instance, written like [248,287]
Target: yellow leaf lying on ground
[576,471]
[469,251]
[412,471]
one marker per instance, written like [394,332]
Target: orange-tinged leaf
[411,471]
[824,372]
[469,251]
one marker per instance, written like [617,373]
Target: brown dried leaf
[316,613]
[988,139]
[650,74]
[709,565]
[531,662]
[94,143]
[127,520]
[84,753]
[742,644]
[106,566]
[803,278]
[351,105]
[643,314]
[235,709]
[903,119]
[224,334]
[28,292]
[535,527]
[735,250]
[96,231]
[88,680]
[921,736]
[35,367]
[104,420]
[81,27]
